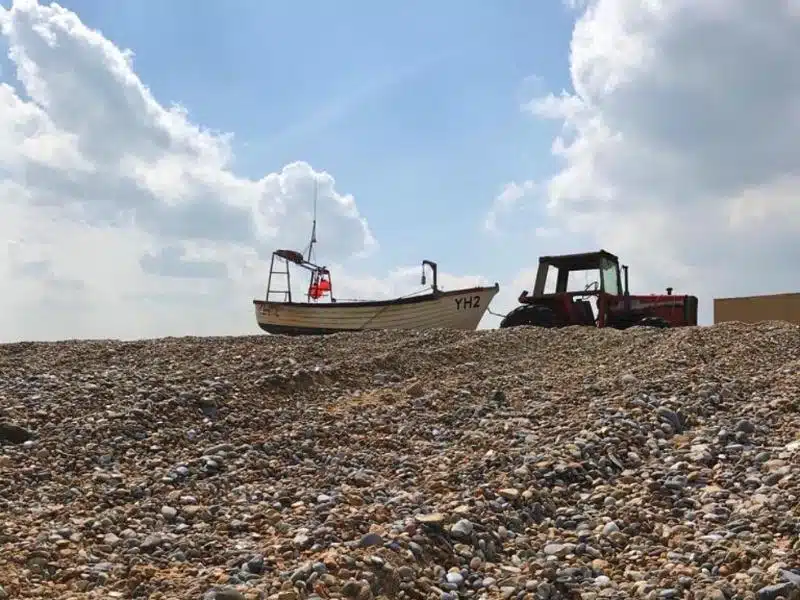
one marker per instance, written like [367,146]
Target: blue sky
[113,204]
[413,107]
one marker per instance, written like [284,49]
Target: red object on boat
[319,287]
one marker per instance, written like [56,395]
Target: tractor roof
[578,262]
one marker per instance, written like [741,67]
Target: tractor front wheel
[529,314]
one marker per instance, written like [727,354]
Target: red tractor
[616,307]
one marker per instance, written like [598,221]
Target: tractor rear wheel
[529,314]
[658,322]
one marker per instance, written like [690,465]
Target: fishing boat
[320,312]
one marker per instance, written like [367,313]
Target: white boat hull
[457,309]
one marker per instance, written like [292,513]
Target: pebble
[303,541]
[455,578]
[256,564]
[780,590]
[602,581]
[431,519]
[462,529]
[110,539]
[14,434]
[371,539]
[652,464]
[228,594]
[745,426]
[610,527]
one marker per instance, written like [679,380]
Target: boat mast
[314,223]
[314,275]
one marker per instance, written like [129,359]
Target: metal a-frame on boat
[319,285]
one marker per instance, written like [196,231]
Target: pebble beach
[527,464]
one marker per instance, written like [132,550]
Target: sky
[153,154]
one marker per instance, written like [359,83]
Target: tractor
[616,307]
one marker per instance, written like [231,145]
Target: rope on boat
[368,321]
[495,314]
[373,299]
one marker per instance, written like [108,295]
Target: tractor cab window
[550,282]
[610,273]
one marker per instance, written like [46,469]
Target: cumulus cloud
[511,195]
[680,146]
[121,217]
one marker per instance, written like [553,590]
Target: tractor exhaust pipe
[626,298]
[625,279]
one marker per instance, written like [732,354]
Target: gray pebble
[772,592]
[370,539]
[462,529]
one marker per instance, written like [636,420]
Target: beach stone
[14,434]
[779,590]
[227,594]
[461,529]
[370,539]
[431,519]
[610,527]
[527,463]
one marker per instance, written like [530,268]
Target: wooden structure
[752,309]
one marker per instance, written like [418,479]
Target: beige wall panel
[752,309]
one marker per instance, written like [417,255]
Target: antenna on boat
[314,224]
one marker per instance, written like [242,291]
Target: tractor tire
[529,314]
[657,322]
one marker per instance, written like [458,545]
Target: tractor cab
[580,279]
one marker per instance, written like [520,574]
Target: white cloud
[90,138]
[681,142]
[513,193]
[119,216]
